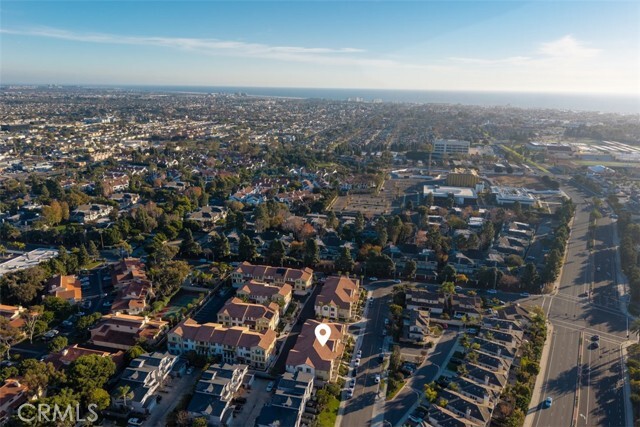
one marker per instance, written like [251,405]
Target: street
[584,396]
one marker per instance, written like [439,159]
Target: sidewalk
[537,389]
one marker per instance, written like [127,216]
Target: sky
[541,46]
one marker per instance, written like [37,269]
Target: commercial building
[460,195]
[463,178]
[450,146]
[510,195]
[27,260]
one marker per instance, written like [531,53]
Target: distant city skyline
[512,46]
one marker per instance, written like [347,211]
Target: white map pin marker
[323,333]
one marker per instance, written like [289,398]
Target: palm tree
[124,392]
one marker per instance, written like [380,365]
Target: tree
[189,247]
[380,265]
[134,352]
[311,252]
[277,252]
[30,319]
[345,262]
[246,249]
[83,256]
[635,327]
[57,344]
[200,422]
[430,392]
[99,397]
[9,334]
[93,251]
[124,392]
[169,276]
[448,273]
[529,277]
[429,200]
[410,268]
[40,375]
[90,371]
[514,260]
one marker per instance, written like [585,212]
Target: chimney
[486,380]
[485,399]
[510,327]
[65,351]
[468,412]
[499,351]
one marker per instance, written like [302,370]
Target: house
[71,353]
[215,391]
[125,200]
[122,331]
[236,344]
[488,377]
[67,288]
[422,299]
[338,298]
[254,316]
[289,401]
[13,314]
[469,306]
[144,376]
[134,288]
[13,393]
[89,213]
[308,355]
[466,408]
[299,279]
[443,417]
[263,293]
[208,216]
[415,326]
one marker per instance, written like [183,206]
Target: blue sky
[538,46]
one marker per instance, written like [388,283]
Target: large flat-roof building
[27,260]
[450,146]
[510,195]
[460,195]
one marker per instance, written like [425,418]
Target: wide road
[576,319]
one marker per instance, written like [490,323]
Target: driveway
[256,397]
[176,388]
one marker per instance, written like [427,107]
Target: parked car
[525,294]
[359,354]
[270,385]
[377,378]
[107,304]
[492,291]
[357,363]
[190,370]
[373,279]
[134,422]
[349,393]
[595,338]
[352,383]
[397,281]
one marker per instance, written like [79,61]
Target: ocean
[600,103]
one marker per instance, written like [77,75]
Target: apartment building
[300,280]
[122,331]
[144,376]
[308,355]
[289,401]
[257,317]
[236,344]
[67,288]
[338,298]
[263,293]
[215,391]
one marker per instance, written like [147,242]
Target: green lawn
[524,160]
[327,418]
[608,164]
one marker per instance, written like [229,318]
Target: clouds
[567,47]
[212,47]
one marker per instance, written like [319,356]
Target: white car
[270,385]
[356,363]
[349,393]
[377,379]
[492,291]
[359,354]
[134,422]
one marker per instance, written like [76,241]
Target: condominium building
[338,298]
[299,279]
